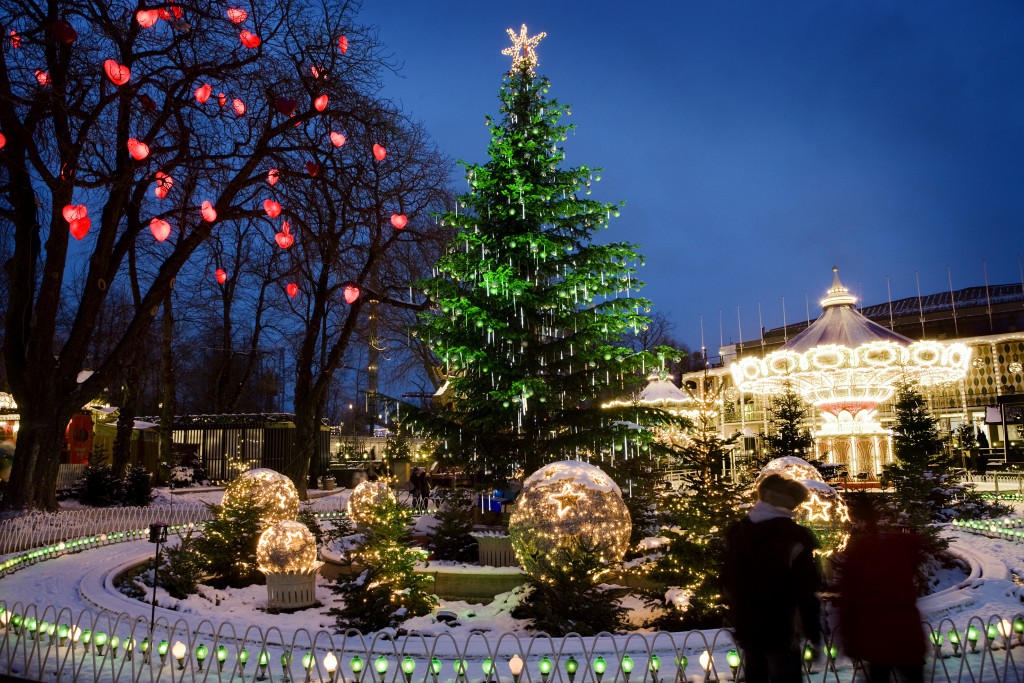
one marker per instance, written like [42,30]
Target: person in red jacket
[770,580]
[877,587]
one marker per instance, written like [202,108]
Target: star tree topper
[523,51]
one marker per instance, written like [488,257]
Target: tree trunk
[37,460]
[305,450]
[122,454]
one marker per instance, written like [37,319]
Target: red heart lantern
[379,152]
[72,212]
[337,139]
[320,103]
[203,93]
[161,229]
[117,73]
[64,32]
[208,212]
[399,220]
[249,39]
[138,150]
[285,105]
[351,293]
[42,77]
[221,276]
[285,238]
[317,71]
[312,169]
[222,99]
[343,44]
[237,15]
[272,208]
[15,39]
[272,176]
[147,18]
[292,289]
[80,226]
[164,183]
[3,140]
[239,106]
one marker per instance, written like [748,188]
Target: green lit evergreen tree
[383,589]
[694,522]
[227,549]
[529,313]
[787,433]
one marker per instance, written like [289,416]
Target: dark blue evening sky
[758,143]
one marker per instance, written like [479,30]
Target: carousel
[846,366]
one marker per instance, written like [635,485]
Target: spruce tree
[529,312]
[451,538]
[383,589]
[787,434]
[694,521]
[920,475]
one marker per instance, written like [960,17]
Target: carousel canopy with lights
[843,361]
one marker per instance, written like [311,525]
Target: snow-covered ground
[83,583]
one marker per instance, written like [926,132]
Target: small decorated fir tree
[450,539]
[383,589]
[787,433]
[529,312]
[227,548]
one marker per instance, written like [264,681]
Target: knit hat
[780,491]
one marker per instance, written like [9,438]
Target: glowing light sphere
[365,498]
[287,547]
[565,505]
[824,512]
[267,488]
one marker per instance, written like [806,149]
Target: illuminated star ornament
[523,51]
[568,498]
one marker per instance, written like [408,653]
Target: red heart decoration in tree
[239,106]
[203,93]
[221,276]
[379,152]
[15,39]
[312,169]
[138,150]
[64,32]
[117,73]
[42,77]
[80,226]
[74,211]
[272,208]
[3,140]
[343,44]
[161,229]
[249,39]
[320,103]
[285,105]
[222,99]
[164,183]
[147,18]
[399,220]
[337,139]
[292,289]
[208,212]
[237,15]
[285,238]
[351,293]
[272,176]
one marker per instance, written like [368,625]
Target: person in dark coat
[420,489]
[876,586]
[770,580]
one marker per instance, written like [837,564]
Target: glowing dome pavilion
[845,365]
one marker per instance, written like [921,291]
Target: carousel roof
[840,324]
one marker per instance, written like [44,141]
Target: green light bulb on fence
[62,632]
[544,665]
[243,656]
[201,652]
[571,666]
[286,659]
[380,665]
[161,648]
[654,664]
[264,658]
[600,666]
[732,658]
[681,662]
[488,667]
[954,637]
[222,653]
[936,637]
[307,661]
[408,666]
[356,664]
[435,666]
[991,632]
[627,664]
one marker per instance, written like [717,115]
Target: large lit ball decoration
[287,547]
[365,499]
[824,512]
[564,505]
[266,488]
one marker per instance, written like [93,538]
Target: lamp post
[157,535]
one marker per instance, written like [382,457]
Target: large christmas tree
[530,314]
